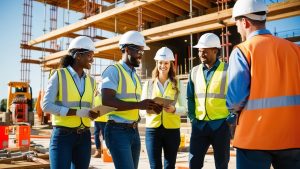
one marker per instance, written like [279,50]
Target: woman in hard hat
[69,97]
[162,129]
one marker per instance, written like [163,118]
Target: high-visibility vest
[98,102]
[210,102]
[270,119]
[168,120]
[129,92]
[69,96]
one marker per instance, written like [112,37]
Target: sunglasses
[91,55]
[140,52]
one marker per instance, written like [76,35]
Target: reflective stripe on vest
[69,96]
[270,119]
[274,102]
[210,102]
[168,120]
[128,93]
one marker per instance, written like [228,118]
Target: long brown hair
[171,75]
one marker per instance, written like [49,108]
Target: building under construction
[177,24]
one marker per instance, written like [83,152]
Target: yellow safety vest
[69,96]
[210,100]
[129,92]
[168,120]
[98,102]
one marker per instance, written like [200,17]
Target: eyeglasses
[140,52]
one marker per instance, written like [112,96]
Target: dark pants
[69,149]
[202,138]
[259,159]
[158,139]
[99,127]
[124,145]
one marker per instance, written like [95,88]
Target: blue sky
[11,34]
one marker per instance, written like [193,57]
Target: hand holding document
[102,110]
[163,101]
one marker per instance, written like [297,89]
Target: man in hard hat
[206,91]
[263,89]
[69,98]
[121,88]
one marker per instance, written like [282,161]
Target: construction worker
[162,129]
[121,88]
[69,97]
[206,91]
[263,89]
[99,126]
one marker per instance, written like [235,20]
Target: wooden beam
[204,3]
[195,4]
[25,46]
[181,4]
[169,7]
[152,14]
[31,61]
[160,11]
[87,22]
[145,17]
[74,35]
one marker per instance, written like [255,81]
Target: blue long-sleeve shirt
[51,92]
[208,73]
[239,77]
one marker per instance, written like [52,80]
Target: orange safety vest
[271,118]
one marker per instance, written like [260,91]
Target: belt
[74,130]
[133,125]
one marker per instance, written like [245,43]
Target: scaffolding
[223,5]
[26,37]
[157,20]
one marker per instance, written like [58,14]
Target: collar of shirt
[258,32]
[74,73]
[209,72]
[214,66]
[126,67]
[162,87]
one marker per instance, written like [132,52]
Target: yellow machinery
[19,103]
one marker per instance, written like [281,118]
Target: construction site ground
[44,133]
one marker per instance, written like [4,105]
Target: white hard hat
[133,37]
[164,53]
[248,7]
[82,42]
[208,40]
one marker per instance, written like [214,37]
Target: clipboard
[103,109]
[163,101]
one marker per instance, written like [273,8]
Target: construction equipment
[19,103]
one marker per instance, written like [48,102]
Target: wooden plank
[86,22]
[160,11]
[145,17]
[195,4]
[205,3]
[25,46]
[152,14]
[181,4]
[32,61]
[169,7]
[24,165]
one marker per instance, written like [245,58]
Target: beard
[133,61]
